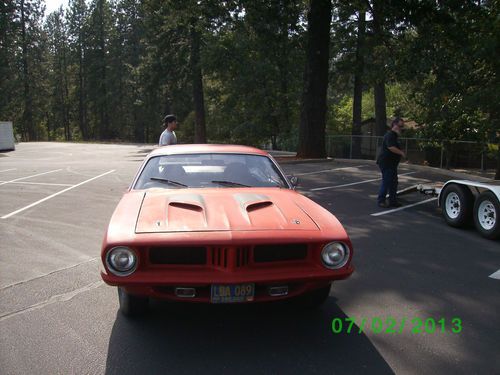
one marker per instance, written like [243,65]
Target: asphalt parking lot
[57,317]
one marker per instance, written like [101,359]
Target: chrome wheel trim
[452,205]
[487,215]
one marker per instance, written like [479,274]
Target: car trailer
[463,201]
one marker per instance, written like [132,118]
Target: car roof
[206,148]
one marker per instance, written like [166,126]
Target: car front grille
[178,255]
[219,256]
[225,257]
[242,256]
[279,253]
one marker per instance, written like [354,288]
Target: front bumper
[161,282]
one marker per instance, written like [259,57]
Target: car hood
[221,210]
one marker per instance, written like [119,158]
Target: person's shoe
[395,204]
[382,204]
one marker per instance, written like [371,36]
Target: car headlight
[121,261]
[335,255]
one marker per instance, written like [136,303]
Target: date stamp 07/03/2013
[390,325]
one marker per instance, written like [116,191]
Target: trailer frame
[463,201]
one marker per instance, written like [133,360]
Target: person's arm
[396,150]
[392,145]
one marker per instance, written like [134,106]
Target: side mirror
[294,180]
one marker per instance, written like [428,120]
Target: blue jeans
[389,184]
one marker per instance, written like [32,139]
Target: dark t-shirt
[387,158]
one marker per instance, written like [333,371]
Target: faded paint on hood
[221,210]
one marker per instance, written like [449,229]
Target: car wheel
[132,305]
[486,215]
[316,298]
[457,203]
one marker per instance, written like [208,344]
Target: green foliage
[399,103]
[23,66]
[340,116]
[112,69]
[256,95]
[449,61]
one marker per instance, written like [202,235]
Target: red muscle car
[220,224]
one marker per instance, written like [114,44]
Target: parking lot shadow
[251,339]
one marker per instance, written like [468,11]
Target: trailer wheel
[487,214]
[457,203]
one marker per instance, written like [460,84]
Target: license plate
[232,293]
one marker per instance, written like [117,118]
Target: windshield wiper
[229,183]
[164,180]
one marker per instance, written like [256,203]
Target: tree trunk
[81,106]
[379,87]
[274,117]
[167,102]
[495,132]
[64,91]
[497,174]
[200,135]
[274,143]
[313,112]
[138,122]
[47,116]
[284,69]
[66,96]
[103,107]
[358,88]
[27,122]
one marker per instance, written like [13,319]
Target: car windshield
[210,170]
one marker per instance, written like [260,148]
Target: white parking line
[495,275]
[354,183]
[54,195]
[38,183]
[25,178]
[402,208]
[327,170]
[6,170]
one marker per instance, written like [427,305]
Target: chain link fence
[442,154]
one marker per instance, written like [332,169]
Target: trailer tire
[457,203]
[487,215]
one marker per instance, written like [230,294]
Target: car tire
[131,305]
[487,215]
[457,204]
[315,298]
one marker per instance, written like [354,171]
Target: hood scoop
[180,212]
[220,210]
[258,205]
[186,206]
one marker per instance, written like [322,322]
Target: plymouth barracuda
[220,224]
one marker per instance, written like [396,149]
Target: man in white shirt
[168,136]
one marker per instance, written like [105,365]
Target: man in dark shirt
[388,161]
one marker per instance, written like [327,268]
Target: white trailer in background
[463,201]
[6,136]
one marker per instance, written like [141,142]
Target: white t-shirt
[168,138]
